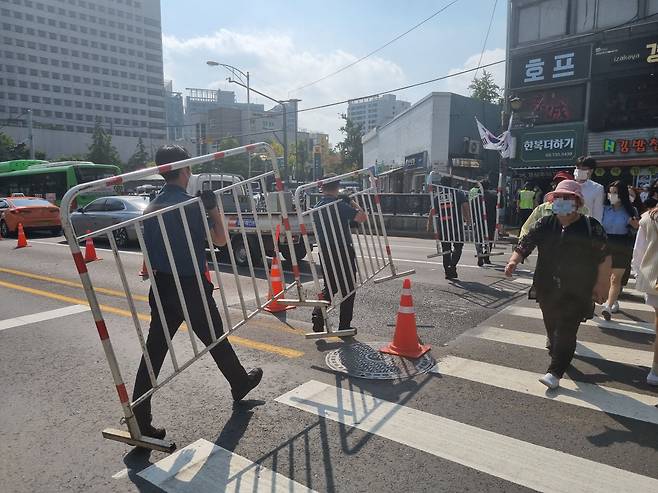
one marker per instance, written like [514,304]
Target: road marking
[626,356]
[203,467]
[40,317]
[241,341]
[519,462]
[605,399]
[624,325]
[64,282]
[39,242]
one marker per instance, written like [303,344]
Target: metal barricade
[258,232]
[460,216]
[347,257]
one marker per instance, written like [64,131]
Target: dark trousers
[450,260]
[156,344]
[334,281]
[562,318]
[524,214]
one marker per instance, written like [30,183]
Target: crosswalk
[454,438]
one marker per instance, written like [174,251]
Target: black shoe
[147,429]
[253,379]
[318,327]
[487,261]
[452,273]
[480,261]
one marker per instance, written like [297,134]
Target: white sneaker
[550,380]
[652,378]
[606,312]
[615,307]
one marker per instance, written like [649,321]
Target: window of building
[652,7]
[544,20]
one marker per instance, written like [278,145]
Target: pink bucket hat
[570,187]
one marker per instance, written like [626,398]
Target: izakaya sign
[549,146]
[625,146]
[626,55]
[550,67]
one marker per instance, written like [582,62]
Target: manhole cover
[364,360]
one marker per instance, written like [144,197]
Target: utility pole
[30,133]
[249,126]
[285,137]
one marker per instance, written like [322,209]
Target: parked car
[33,212]
[107,211]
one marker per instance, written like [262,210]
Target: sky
[285,44]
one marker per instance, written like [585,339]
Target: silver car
[108,211]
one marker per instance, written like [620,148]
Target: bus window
[85,175]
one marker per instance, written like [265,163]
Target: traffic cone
[276,287]
[405,341]
[144,274]
[90,250]
[22,239]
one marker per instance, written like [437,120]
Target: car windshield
[30,202]
[136,202]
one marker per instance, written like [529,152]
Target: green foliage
[485,89]
[10,150]
[71,157]
[351,148]
[101,150]
[298,160]
[139,159]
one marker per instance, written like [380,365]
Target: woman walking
[645,264]
[620,221]
[573,268]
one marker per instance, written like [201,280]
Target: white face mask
[563,207]
[581,174]
[613,198]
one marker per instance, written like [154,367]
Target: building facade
[376,111]
[436,133]
[586,74]
[174,113]
[72,62]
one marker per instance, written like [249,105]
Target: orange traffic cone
[22,239]
[276,287]
[90,250]
[405,342]
[144,274]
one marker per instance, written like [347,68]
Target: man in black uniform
[172,193]
[348,211]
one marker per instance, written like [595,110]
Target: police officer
[172,193]
[337,221]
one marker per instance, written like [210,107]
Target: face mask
[563,207]
[613,198]
[632,198]
[581,174]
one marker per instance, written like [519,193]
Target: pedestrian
[573,267]
[173,193]
[451,206]
[644,194]
[645,265]
[336,250]
[652,198]
[546,207]
[620,221]
[490,204]
[593,192]
[539,195]
[525,203]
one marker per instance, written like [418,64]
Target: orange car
[33,212]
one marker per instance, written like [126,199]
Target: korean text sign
[550,67]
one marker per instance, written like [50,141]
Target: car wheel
[4,230]
[121,237]
[300,251]
[239,252]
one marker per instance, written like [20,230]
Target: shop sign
[556,105]
[548,146]
[550,67]
[460,162]
[634,145]
[616,56]
[415,160]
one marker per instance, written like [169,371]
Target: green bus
[51,181]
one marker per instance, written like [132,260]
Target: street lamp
[237,73]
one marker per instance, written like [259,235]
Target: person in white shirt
[593,192]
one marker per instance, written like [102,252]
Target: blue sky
[285,44]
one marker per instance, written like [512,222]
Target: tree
[139,159]
[10,150]
[485,89]
[101,150]
[71,157]
[351,148]
[300,151]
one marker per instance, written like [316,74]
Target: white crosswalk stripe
[627,356]
[498,455]
[625,325]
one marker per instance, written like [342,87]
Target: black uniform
[450,226]
[156,344]
[336,249]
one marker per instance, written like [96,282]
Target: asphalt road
[478,422]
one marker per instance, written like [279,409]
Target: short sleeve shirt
[155,246]
[340,221]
